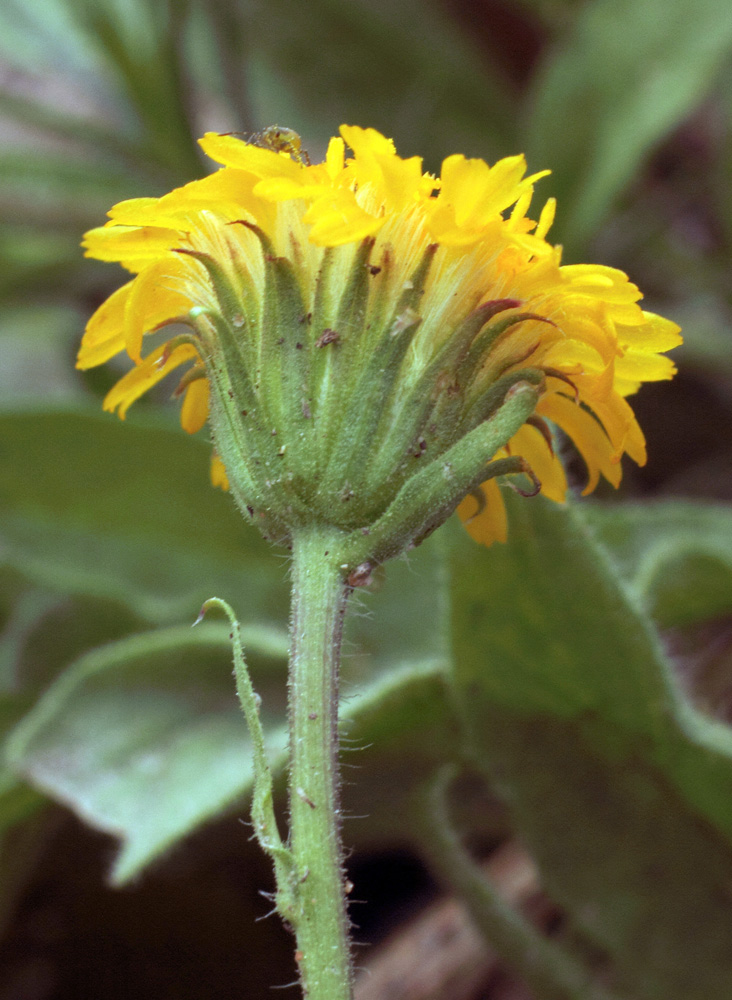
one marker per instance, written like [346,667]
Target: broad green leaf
[144,740]
[22,817]
[619,80]
[396,718]
[18,801]
[93,507]
[44,631]
[619,788]
[638,871]
[64,630]
[22,606]
[675,554]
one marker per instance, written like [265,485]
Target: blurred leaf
[219,56]
[55,178]
[36,343]
[395,710]
[707,326]
[44,35]
[53,122]
[92,507]
[143,738]
[621,790]
[64,631]
[129,53]
[625,74]
[22,607]
[402,68]
[141,41]
[676,555]
[33,260]
[43,632]
[23,818]
[18,802]
[635,868]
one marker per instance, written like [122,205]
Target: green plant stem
[319,594]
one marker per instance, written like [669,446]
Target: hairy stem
[319,594]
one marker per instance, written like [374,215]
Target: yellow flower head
[350,322]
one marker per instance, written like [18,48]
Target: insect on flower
[279,139]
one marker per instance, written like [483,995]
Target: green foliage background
[583,670]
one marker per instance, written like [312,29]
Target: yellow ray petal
[234,152]
[490,524]
[590,439]
[218,472]
[339,219]
[144,376]
[574,356]
[134,248]
[546,218]
[226,192]
[644,367]
[530,444]
[104,334]
[598,280]
[654,334]
[335,157]
[133,211]
[155,299]
[194,411]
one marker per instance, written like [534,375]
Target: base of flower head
[427,499]
[353,324]
[318,420]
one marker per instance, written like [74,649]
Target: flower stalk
[310,891]
[319,594]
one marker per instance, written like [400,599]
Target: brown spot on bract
[328,336]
